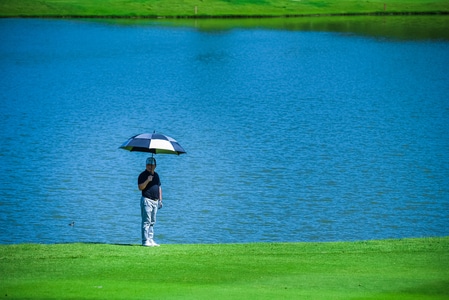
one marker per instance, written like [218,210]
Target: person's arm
[144,184]
[160,193]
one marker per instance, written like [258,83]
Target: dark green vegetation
[214,8]
[390,269]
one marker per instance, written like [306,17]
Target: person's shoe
[147,244]
[154,244]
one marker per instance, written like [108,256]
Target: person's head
[151,163]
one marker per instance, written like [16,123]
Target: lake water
[294,131]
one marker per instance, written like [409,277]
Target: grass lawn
[213,8]
[390,269]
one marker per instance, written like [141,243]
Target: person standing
[151,200]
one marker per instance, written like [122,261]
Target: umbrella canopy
[156,143]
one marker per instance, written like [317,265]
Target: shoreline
[443,238]
[287,16]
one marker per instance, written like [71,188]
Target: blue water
[290,135]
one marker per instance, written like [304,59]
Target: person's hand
[150,178]
[159,204]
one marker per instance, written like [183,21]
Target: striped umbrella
[156,143]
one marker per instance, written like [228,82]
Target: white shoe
[154,244]
[147,244]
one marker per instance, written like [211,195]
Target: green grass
[390,269]
[213,8]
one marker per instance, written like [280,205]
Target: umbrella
[155,143]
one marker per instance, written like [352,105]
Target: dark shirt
[152,189]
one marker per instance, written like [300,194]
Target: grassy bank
[391,269]
[213,8]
